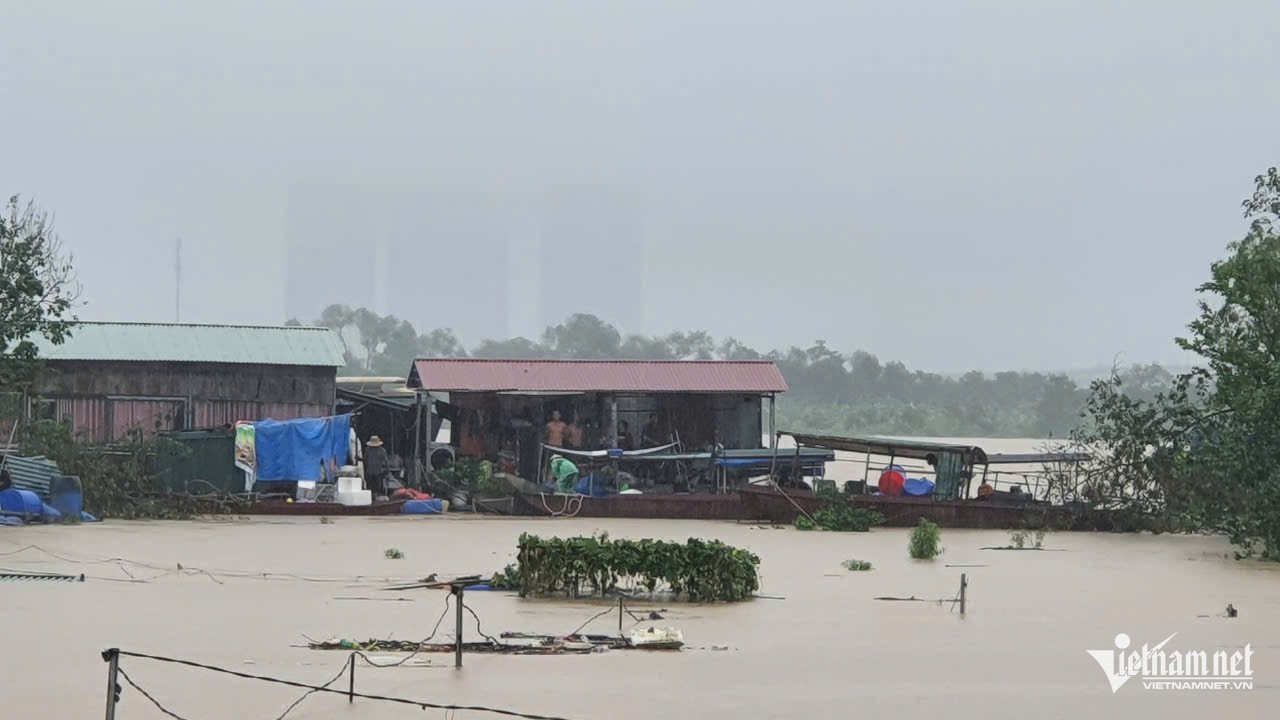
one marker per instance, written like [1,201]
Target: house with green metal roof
[116,381]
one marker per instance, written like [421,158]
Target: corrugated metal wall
[111,402]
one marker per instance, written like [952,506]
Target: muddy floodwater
[820,647]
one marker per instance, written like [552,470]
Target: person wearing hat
[565,474]
[376,466]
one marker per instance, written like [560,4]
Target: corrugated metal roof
[171,342]
[638,376]
[31,473]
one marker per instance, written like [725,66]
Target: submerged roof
[892,447]
[568,376]
[173,342]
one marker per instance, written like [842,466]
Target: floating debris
[32,576]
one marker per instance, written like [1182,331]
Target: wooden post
[613,421]
[417,441]
[112,657]
[351,686]
[619,616]
[964,583]
[457,643]
[773,437]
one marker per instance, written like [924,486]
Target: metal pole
[177,281]
[964,583]
[619,616]
[112,657]
[351,687]
[457,643]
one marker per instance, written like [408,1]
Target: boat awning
[605,454]
[1038,458]
[889,447]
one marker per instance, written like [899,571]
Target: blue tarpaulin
[295,449]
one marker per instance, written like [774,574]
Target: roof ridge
[590,360]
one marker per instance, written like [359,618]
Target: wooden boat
[313,509]
[766,503]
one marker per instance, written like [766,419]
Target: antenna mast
[177,285]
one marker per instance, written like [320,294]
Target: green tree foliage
[37,290]
[1206,451]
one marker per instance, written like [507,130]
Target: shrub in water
[857,565]
[926,541]
[847,518]
[702,570]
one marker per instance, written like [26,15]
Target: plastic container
[350,484]
[65,494]
[356,498]
[423,507]
[20,501]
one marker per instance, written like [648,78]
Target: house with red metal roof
[520,407]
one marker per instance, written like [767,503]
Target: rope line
[421,645]
[421,704]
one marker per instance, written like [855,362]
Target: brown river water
[826,650]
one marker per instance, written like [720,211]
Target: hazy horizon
[954,185]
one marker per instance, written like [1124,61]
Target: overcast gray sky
[953,184]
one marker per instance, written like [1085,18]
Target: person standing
[555,430]
[625,440]
[573,434]
[377,466]
[651,434]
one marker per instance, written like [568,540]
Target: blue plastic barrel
[65,495]
[423,507]
[20,501]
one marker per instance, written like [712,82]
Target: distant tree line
[831,391]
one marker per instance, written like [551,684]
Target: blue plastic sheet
[917,487]
[295,449]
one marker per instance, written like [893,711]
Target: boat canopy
[1044,458]
[891,447]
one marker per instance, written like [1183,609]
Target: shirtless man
[555,430]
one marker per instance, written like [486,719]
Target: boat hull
[280,507]
[769,504]
[671,507]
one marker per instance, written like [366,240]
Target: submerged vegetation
[701,570]
[1019,538]
[841,515]
[926,541]
[856,565]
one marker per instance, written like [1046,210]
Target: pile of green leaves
[701,570]
[837,512]
[120,481]
[926,541]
